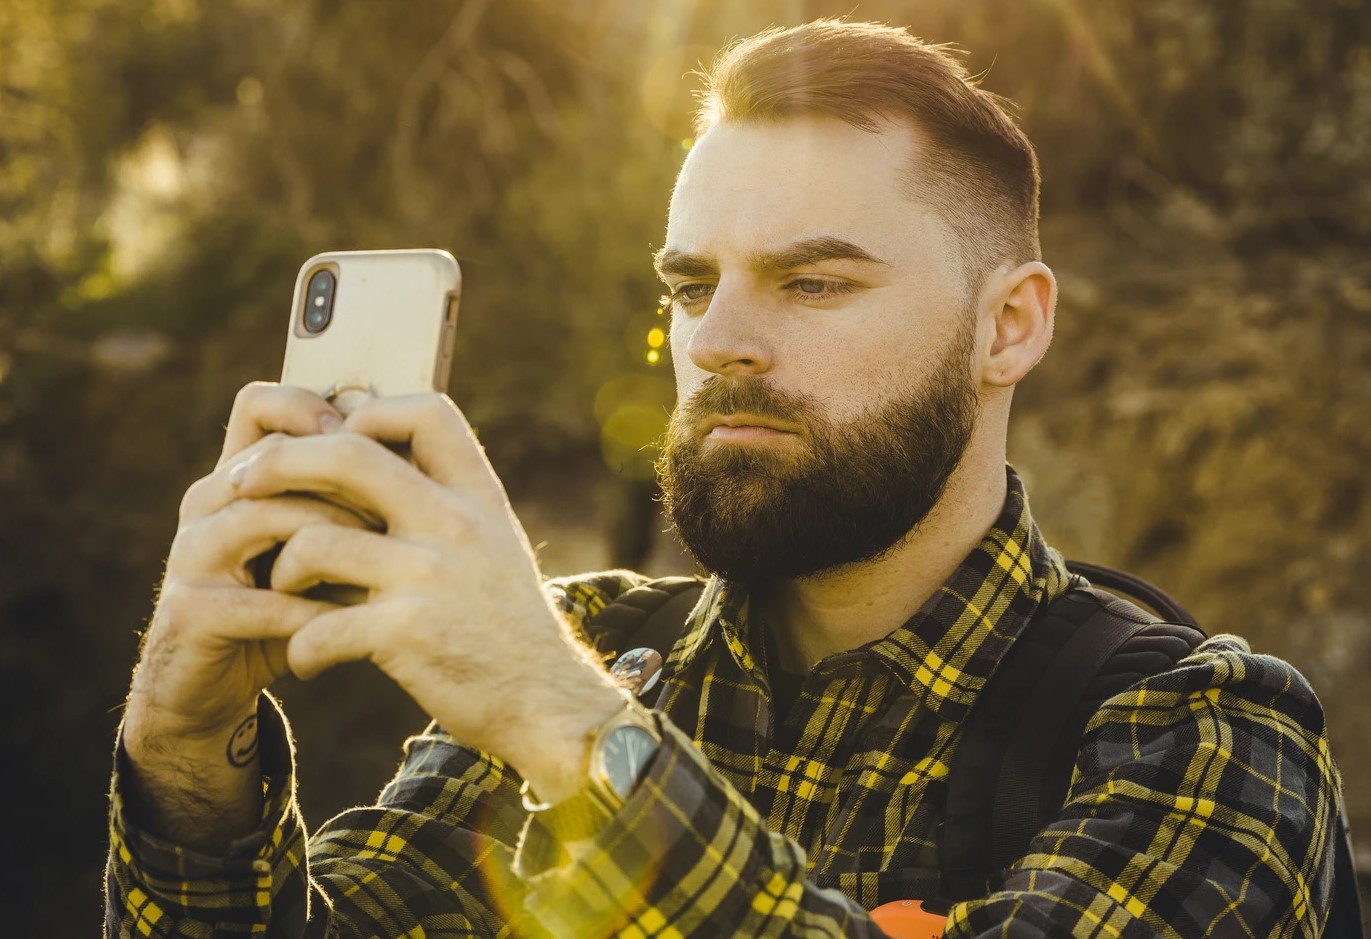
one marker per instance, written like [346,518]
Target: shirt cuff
[680,818]
[247,873]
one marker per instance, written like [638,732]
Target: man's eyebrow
[671,262]
[812,251]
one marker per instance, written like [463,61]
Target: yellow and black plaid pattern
[1201,803]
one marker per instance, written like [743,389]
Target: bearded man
[856,288]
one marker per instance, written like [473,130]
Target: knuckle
[355,445]
[171,600]
[193,499]
[310,539]
[232,521]
[440,413]
[257,452]
[270,442]
[250,396]
[179,613]
[438,407]
[352,448]
[189,540]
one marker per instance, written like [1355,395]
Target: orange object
[907,919]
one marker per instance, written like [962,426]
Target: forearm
[159,886]
[430,853]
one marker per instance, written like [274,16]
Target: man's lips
[744,427]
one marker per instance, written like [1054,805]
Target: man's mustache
[753,396]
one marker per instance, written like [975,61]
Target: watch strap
[595,802]
[577,817]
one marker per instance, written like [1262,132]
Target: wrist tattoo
[242,746]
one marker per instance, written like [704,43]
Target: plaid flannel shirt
[1202,802]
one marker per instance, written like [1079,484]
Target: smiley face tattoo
[242,746]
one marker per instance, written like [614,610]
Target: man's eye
[691,293]
[816,288]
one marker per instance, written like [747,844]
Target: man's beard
[835,495]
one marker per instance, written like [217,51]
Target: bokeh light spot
[666,89]
[655,337]
[632,410]
[249,92]
[653,356]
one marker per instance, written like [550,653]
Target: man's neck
[818,616]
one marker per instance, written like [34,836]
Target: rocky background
[1202,420]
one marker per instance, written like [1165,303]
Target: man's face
[823,347]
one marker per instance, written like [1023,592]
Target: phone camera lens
[319,309]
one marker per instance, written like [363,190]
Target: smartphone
[366,324]
[372,323]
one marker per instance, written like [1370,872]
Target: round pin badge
[638,670]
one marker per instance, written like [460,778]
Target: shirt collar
[949,648]
[721,610]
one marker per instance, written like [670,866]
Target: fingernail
[329,422]
[238,472]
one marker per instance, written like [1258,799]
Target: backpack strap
[1129,585]
[1049,725]
[652,615]
[1019,746]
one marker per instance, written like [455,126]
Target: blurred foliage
[166,165]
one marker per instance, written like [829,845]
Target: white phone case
[394,314]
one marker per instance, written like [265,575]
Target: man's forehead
[763,186]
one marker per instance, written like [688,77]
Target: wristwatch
[620,750]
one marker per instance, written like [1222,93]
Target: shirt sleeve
[432,857]
[1203,803]
[433,854]
[154,888]
[687,855]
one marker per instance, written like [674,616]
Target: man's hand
[215,641]
[457,614]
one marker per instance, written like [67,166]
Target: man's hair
[977,170]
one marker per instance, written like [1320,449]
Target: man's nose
[731,336]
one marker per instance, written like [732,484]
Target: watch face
[624,752]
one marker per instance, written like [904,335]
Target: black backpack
[1014,764]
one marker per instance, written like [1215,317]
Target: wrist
[553,752]
[620,751]
[200,791]
[147,732]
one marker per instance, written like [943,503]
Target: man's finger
[245,528]
[211,493]
[242,613]
[346,468]
[336,555]
[441,442]
[263,408]
[342,635]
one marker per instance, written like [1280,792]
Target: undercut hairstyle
[974,167]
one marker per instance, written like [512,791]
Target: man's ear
[1021,303]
